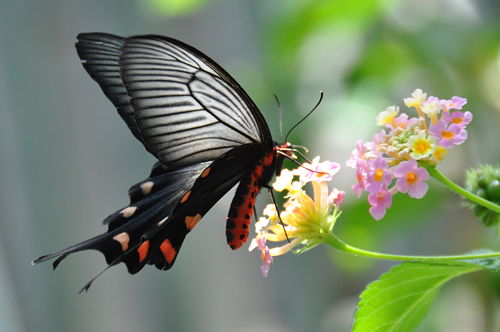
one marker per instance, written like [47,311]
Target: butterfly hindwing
[152,204]
[209,188]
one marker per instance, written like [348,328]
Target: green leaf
[401,299]
[492,264]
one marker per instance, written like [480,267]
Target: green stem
[459,190]
[336,243]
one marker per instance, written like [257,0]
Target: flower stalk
[435,173]
[334,242]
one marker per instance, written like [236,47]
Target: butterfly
[205,131]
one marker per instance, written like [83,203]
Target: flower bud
[484,182]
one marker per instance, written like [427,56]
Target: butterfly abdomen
[242,207]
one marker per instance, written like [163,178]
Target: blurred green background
[67,160]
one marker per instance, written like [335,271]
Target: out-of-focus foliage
[66,160]
[171,8]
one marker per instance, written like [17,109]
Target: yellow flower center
[411,178]
[456,120]
[422,146]
[378,174]
[440,153]
[447,134]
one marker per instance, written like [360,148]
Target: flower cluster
[305,220]
[407,143]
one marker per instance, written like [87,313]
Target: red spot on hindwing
[186,196]
[168,250]
[192,221]
[143,251]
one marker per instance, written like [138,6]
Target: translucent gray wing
[183,106]
[100,55]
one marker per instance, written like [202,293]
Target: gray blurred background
[67,160]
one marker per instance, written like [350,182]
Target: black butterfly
[205,131]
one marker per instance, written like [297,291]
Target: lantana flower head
[392,162]
[306,220]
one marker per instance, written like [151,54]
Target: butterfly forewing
[183,127]
[100,54]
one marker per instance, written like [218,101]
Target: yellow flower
[418,96]
[421,145]
[439,154]
[387,116]
[305,221]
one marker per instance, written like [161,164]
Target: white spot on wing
[162,221]
[129,211]
[123,239]
[146,187]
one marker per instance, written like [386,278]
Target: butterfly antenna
[319,102]
[281,114]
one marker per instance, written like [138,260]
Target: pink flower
[259,242]
[357,154]
[431,99]
[455,103]
[378,175]
[411,179]
[403,122]
[336,197]
[380,202]
[361,185]
[447,137]
[459,118]
[317,171]
[375,144]
[267,259]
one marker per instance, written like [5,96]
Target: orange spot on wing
[186,197]
[168,250]
[143,251]
[205,173]
[192,221]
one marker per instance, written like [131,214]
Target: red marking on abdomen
[242,207]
